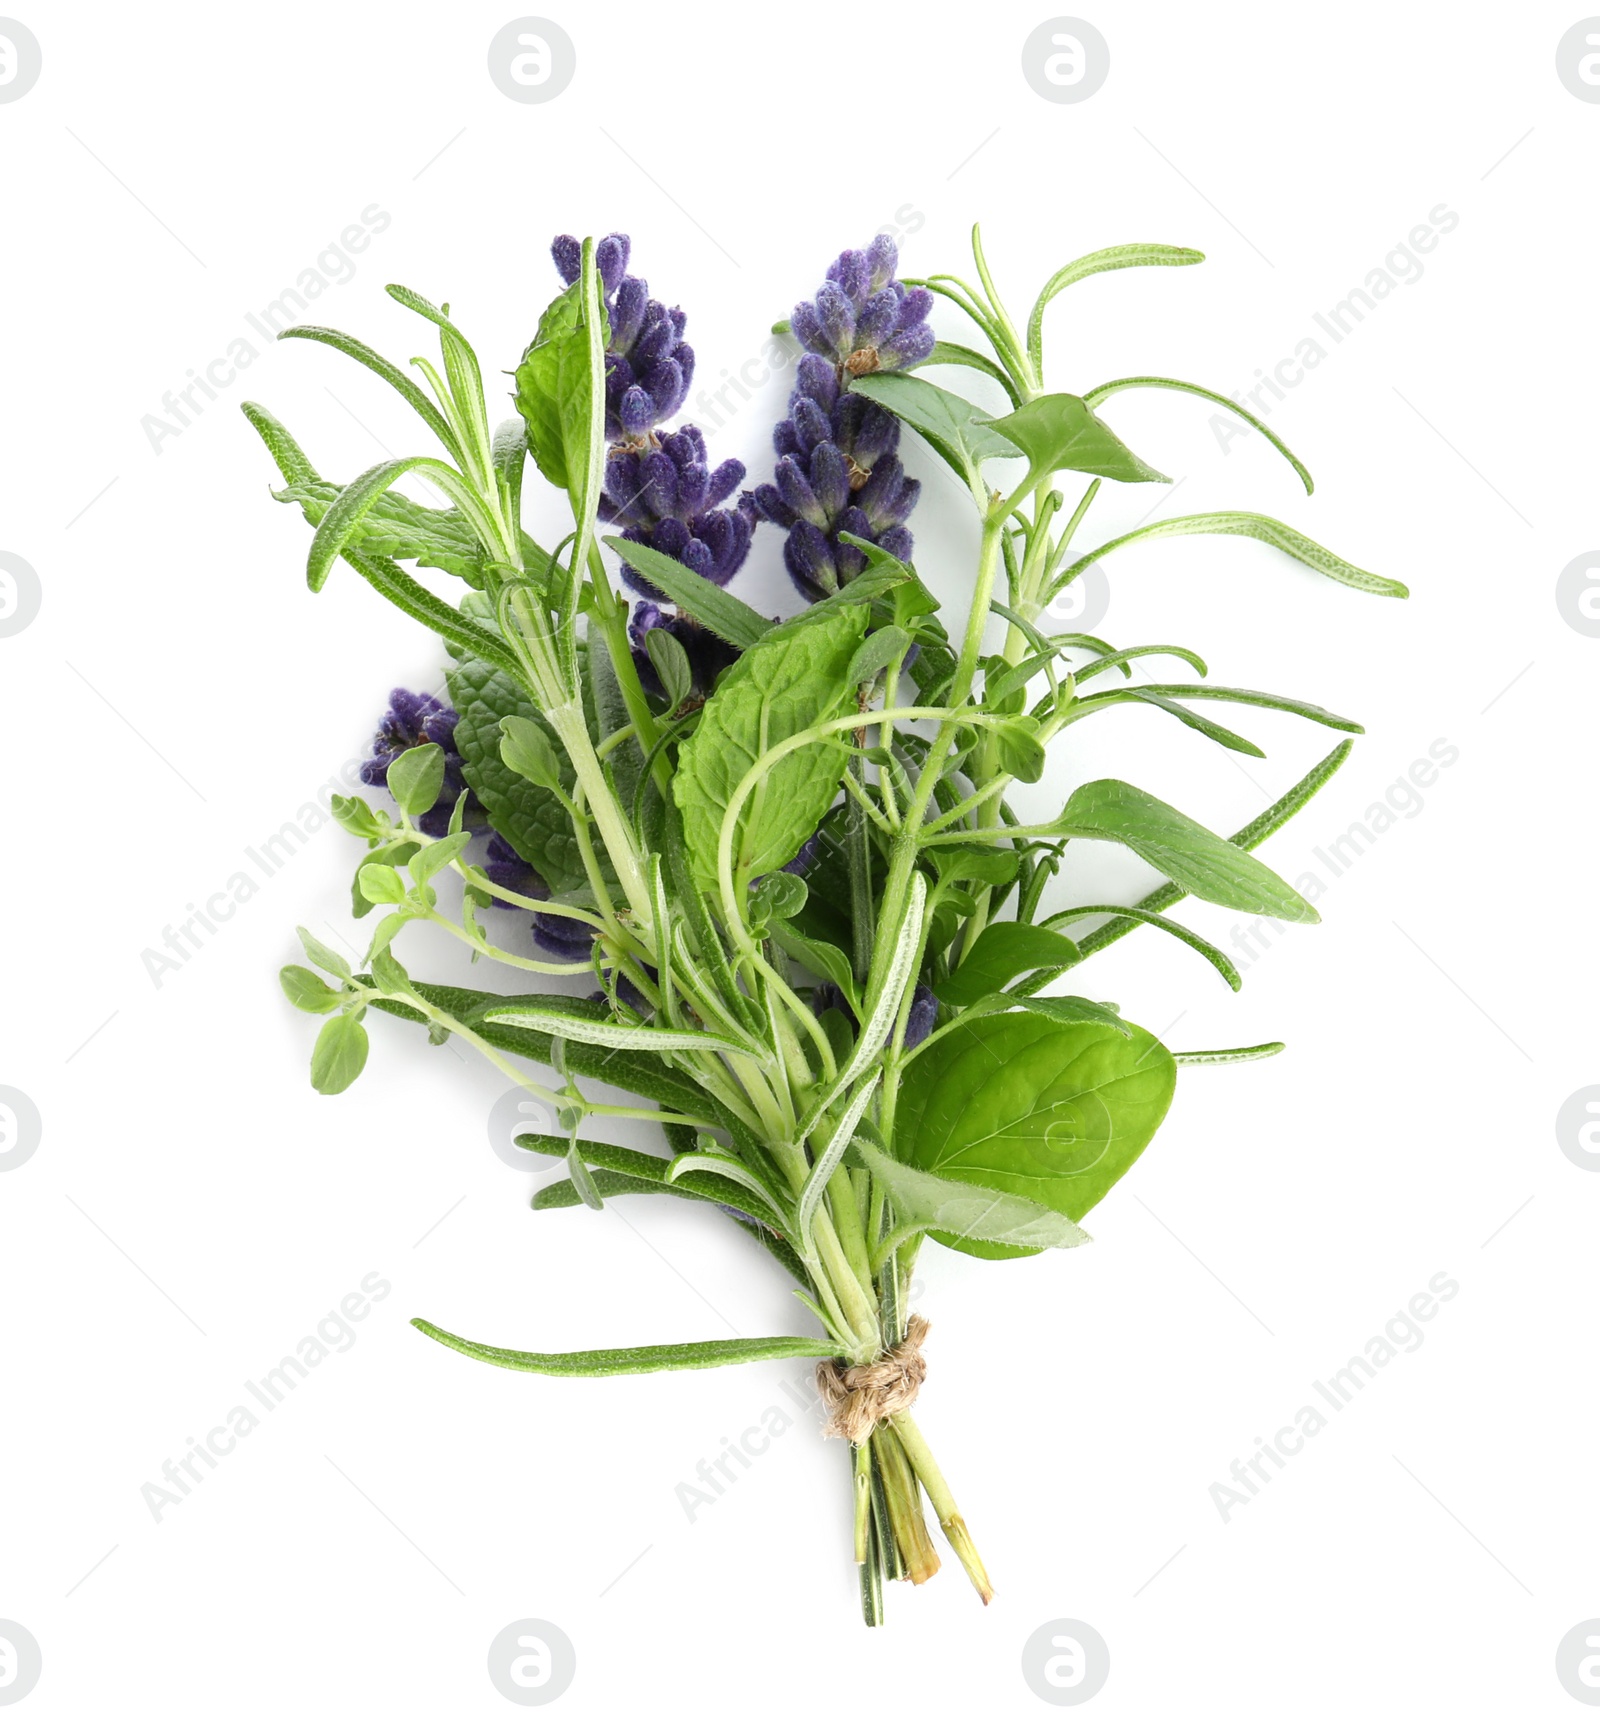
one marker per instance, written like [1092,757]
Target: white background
[194,1209]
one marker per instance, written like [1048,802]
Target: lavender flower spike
[649,366]
[837,473]
[862,319]
[665,496]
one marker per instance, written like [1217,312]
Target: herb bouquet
[782,852]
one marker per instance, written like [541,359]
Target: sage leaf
[1190,856]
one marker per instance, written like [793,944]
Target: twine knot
[860,1397]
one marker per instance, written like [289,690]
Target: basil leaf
[1059,432]
[1052,1112]
[773,691]
[956,1208]
[629,1361]
[530,819]
[1002,951]
[339,1055]
[1186,852]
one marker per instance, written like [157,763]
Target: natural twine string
[860,1397]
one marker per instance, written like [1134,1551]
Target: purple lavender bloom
[919,1020]
[412,721]
[665,495]
[649,366]
[562,937]
[709,655]
[862,319]
[837,473]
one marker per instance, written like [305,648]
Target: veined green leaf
[416,777]
[726,616]
[1062,433]
[1056,1113]
[1098,394]
[956,1209]
[307,991]
[529,818]
[1185,851]
[774,690]
[1248,526]
[1113,257]
[553,391]
[632,1361]
[818,956]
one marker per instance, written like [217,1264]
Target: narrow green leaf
[953,353]
[633,1361]
[1113,257]
[604,1034]
[391,374]
[1218,959]
[1218,733]
[1248,526]
[1229,1056]
[726,616]
[1098,394]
